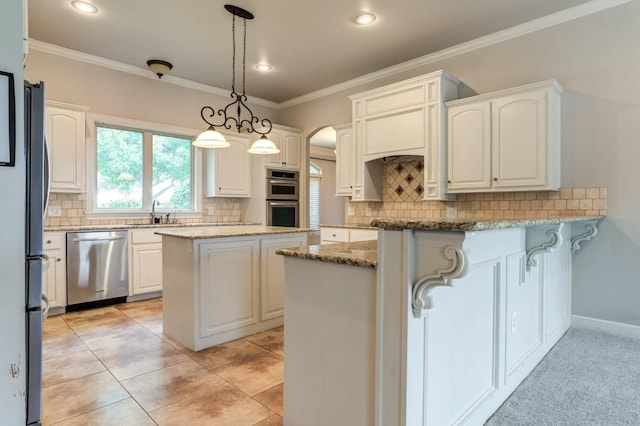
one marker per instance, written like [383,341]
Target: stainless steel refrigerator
[37,196]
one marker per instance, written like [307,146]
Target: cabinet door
[276,160]
[54,278]
[65,130]
[358,166]
[519,140]
[146,268]
[272,275]
[363,235]
[469,147]
[292,151]
[228,171]
[228,279]
[343,162]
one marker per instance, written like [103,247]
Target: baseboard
[617,328]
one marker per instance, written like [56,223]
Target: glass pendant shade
[211,138]
[263,146]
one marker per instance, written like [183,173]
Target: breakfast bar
[439,330]
[223,283]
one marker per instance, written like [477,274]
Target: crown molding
[141,72]
[557,18]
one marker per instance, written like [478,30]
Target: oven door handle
[291,182]
[283,203]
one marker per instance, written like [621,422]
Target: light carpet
[588,378]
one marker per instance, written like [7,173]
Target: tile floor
[114,366]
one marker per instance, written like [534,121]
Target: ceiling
[311,45]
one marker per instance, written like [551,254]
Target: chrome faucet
[154,219]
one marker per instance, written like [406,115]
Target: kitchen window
[315,176]
[134,166]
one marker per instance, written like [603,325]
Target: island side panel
[329,371]
[179,307]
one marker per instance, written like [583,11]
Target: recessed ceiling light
[84,6]
[264,67]
[364,18]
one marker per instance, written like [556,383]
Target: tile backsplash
[73,207]
[403,192]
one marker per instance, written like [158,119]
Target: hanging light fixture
[236,114]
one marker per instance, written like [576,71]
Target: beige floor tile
[226,354]
[221,405]
[153,324]
[141,309]
[272,399]
[118,336]
[54,327]
[136,359]
[254,375]
[80,396]
[125,412]
[94,320]
[61,345]
[69,367]
[272,340]
[171,384]
[274,420]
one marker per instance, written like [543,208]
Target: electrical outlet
[54,211]
[514,322]
[368,211]
[350,211]
[452,213]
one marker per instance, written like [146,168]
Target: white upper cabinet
[344,160]
[288,140]
[505,141]
[228,170]
[404,118]
[65,132]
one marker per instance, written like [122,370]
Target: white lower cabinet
[330,235]
[145,255]
[54,274]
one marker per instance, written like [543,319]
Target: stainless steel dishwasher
[97,268]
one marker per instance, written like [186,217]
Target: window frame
[148,129]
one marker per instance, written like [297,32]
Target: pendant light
[236,114]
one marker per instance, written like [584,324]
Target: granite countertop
[229,231]
[142,226]
[360,253]
[352,226]
[473,225]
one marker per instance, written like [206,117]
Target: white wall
[12,262]
[596,60]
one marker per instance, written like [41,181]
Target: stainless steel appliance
[282,198]
[97,268]
[282,185]
[37,188]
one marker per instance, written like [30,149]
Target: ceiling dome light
[364,18]
[263,146]
[84,6]
[264,67]
[211,138]
[159,67]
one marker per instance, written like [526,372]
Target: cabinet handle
[495,179]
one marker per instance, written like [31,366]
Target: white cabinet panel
[330,235]
[228,170]
[146,268]
[228,278]
[288,141]
[272,274]
[65,132]
[394,133]
[344,160]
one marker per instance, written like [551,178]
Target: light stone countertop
[141,226]
[229,231]
[361,253]
[464,225]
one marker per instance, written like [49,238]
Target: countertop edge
[470,225]
[230,233]
[351,254]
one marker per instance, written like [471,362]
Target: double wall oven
[283,198]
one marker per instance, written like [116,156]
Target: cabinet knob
[48,241]
[219,188]
[333,235]
[58,259]
[495,179]
[448,181]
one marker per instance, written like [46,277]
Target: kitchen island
[223,283]
[448,321]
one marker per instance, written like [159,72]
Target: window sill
[140,215]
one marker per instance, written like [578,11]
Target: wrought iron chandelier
[236,114]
